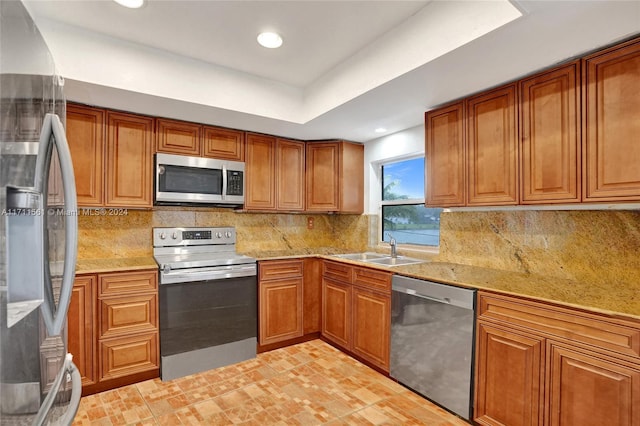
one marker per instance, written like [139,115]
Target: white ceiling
[346,67]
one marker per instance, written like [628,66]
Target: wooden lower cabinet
[371,326]
[539,364]
[508,383]
[588,389]
[280,300]
[336,312]
[113,328]
[356,311]
[81,319]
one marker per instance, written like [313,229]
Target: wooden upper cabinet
[444,147]
[351,178]
[85,135]
[550,136]
[290,175]
[322,176]
[177,137]
[612,107]
[225,144]
[260,164]
[335,177]
[492,145]
[129,160]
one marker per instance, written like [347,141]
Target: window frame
[399,202]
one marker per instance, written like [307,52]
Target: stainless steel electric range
[208,300]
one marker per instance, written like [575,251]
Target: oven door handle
[218,273]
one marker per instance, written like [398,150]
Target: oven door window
[201,314]
[190,180]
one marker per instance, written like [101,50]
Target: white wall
[404,144]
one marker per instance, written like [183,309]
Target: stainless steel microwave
[184,180]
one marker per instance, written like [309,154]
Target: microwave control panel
[234,182]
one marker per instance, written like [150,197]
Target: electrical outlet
[309,223]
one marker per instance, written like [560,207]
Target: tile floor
[307,384]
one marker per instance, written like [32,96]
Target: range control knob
[219,234]
[163,235]
[174,236]
[227,234]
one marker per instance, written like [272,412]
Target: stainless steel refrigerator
[39,384]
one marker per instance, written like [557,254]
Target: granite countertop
[614,298]
[618,299]
[96,266]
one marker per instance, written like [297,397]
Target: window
[403,212]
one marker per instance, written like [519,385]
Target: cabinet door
[85,135]
[322,177]
[612,99]
[260,173]
[177,137]
[336,312]
[225,144]
[290,175]
[129,160]
[351,179]
[280,310]
[128,355]
[444,152]
[372,327]
[312,298]
[549,131]
[80,328]
[509,366]
[588,390]
[492,148]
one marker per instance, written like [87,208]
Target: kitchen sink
[380,259]
[397,261]
[362,256]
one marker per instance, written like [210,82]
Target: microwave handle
[224,181]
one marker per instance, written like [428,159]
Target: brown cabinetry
[335,177]
[86,138]
[577,134]
[275,173]
[280,300]
[113,167]
[541,364]
[445,169]
[113,328]
[356,311]
[612,106]
[81,320]
[129,167]
[185,138]
[492,147]
[260,174]
[550,136]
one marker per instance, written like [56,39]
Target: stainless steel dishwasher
[432,334]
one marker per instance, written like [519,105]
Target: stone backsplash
[577,245]
[130,234]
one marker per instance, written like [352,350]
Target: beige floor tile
[306,384]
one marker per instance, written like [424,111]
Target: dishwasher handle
[412,292]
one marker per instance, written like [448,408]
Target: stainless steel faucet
[393,243]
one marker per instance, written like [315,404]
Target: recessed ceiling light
[380,130]
[270,40]
[131,4]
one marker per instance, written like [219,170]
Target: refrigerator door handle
[55,319]
[69,372]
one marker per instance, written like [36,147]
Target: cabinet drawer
[599,331]
[337,271]
[128,355]
[121,283]
[131,314]
[279,269]
[372,279]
